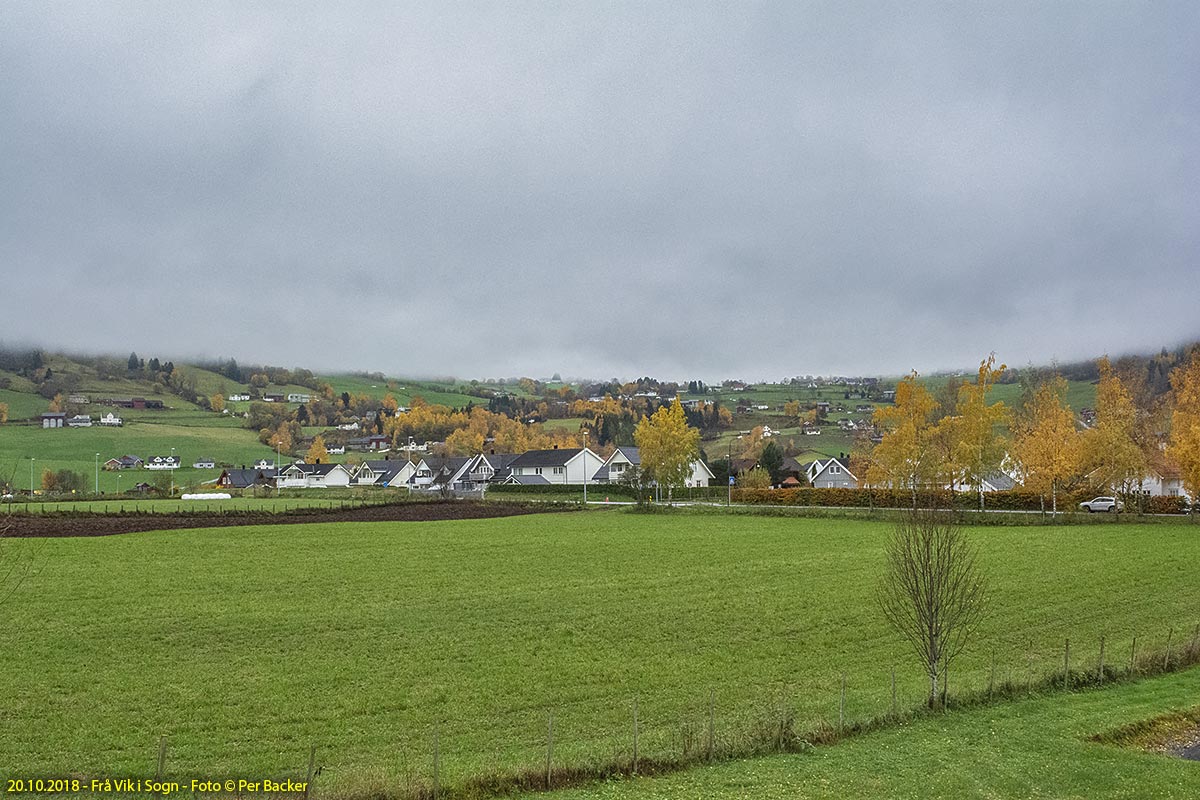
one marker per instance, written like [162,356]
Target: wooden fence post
[162,761]
[711,726]
[842,706]
[549,745]
[436,765]
[635,735]
[312,766]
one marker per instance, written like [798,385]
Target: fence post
[1100,668]
[162,761]
[1067,665]
[635,734]
[549,745]
[1167,654]
[842,706]
[312,766]
[711,726]
[436,765]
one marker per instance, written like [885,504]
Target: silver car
[1105,504]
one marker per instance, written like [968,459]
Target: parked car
[1105,504]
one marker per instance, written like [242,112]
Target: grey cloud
[604,190]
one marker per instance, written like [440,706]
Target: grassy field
[247,645]
[76,448]
[1032,748]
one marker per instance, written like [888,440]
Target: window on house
[558,470]
[537,470]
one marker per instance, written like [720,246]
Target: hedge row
[886,498]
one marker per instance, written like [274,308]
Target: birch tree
[1048,446]
[668,446]
[932,591]
[1184,447]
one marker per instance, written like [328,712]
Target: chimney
[555,447]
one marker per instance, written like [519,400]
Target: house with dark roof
[245,478]
[573,465]
[484,469]
[54,419]
[312,476]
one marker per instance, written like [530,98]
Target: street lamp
[172,468]
[97,475]
[585,466]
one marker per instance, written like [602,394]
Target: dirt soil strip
[89,525]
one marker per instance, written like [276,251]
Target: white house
[1163,481]
[403,476]
[110,419]
[485,468]
[297,397]
[625,458]
[80,421]
[238,397]
[162,462]
[573,465]
[204,463]
[313,476]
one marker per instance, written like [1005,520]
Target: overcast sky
[601,189]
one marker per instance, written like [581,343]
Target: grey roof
[633,454]
[529,480]
[545,458]
[312,469]
[243,478]
[1001,481]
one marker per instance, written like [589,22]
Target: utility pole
[729,477]
[97,474]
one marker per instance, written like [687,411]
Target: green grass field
[247,645]
[76,448]
[1031,748]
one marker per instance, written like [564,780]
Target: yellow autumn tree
[464,442]
[217,402]
[906,458]
[1184,448]
[56,405]
[667,446]
[1111,451]
[389,403]
[1048,446]
[317,454]
[3,413]
[979,447]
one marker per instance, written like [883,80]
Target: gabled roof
[546,458]
[243,478]
[313,469]
[1000,481]
[821,466]
[527,480]
[632,454]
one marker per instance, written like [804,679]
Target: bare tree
[932,591]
